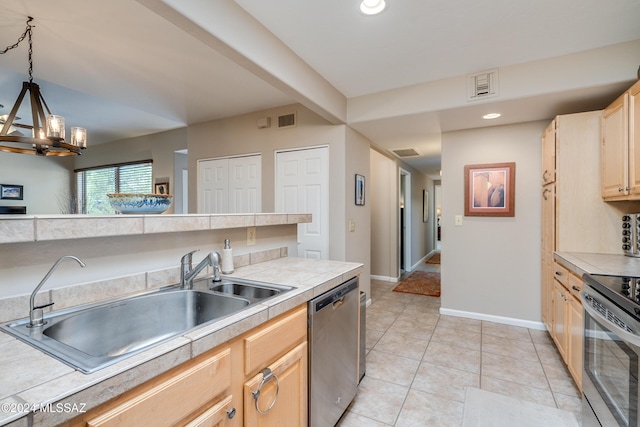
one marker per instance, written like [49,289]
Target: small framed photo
[161,188]
[489,190]
[425,206]
[359,190]
[11,192]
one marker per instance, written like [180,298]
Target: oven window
[612,366]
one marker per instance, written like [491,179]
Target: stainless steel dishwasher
[333,353]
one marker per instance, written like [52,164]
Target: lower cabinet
[218,387]
[278,397]
[567,329]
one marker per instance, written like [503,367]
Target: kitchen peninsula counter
[31,379]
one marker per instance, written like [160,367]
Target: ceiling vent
[482,85]
[287,120]
[406,152]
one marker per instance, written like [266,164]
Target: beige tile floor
[419,363]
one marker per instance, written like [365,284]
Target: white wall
[381,192]
[491,265]
[46,181]
[358,242]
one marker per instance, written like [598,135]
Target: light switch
[251,236]
[458,220]
[352,225]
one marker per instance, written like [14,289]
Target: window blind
[93,185]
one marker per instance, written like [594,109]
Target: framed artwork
[425,206]
[359,190]
[161,188]
[11,192]
[489,190]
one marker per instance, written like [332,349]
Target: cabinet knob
[620,189]
[231,413]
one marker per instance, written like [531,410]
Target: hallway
[419,363]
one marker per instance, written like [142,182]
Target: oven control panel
[631,234]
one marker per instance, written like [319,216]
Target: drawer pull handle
[267,376]
[231,413]
[575,288]
[558,273]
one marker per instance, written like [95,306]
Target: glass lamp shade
[55,126]
[79,137]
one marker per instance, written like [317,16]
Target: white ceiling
[126,68]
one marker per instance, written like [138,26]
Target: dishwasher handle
[331,297]
[337,304]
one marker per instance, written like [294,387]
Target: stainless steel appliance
[611,350]
[333,353]
[363,336]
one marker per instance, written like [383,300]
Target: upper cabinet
[549,154]
[621,147]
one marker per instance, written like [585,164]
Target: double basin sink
[92,337]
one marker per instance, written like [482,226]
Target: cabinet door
[575,339]
[548,246]
[549,154]
[615,149]
[634,139]
[289,390]
[559,333]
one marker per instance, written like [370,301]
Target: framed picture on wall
[359,190]
[425,206]
[11,192]
[161,188]
[489,190]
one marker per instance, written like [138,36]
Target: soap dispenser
[227,258]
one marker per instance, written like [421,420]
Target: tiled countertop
[31,379]
[581,263]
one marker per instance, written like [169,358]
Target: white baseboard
[385,278]
[497,319]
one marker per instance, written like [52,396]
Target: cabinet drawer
[561,274]
[270,342]
[173,399]
[216,416]
[575,285]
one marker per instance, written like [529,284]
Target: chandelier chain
[27,32]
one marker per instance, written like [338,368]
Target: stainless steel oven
[611,351]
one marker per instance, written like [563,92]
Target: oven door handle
[625,335]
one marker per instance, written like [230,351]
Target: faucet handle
[188,258]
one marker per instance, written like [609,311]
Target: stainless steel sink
[91,337]
[96,336]
[251,291]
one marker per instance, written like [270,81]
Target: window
[93,185]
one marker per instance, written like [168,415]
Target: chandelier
[46,136]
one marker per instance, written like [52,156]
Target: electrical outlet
[352,225]
[458,220]
[251,236]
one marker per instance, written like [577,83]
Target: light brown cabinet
[281,400]
[567,328]
[571,204]
[217,388]
[621,147]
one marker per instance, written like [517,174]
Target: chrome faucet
[188,272]
[36,314]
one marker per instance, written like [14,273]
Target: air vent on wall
[287,120]
[406,152]
[482,85]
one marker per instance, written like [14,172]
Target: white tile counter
[581,263]
[29,378]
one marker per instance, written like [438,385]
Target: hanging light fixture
[46,137]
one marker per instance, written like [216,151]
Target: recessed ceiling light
[491,116]
[372,7]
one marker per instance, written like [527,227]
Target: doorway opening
[405,221]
